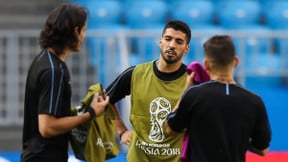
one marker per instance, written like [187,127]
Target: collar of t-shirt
[169,76]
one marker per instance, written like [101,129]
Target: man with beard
[155,87]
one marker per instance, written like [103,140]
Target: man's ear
[76,30]
[236,61]
[160,41]
[206,64]
[187,49]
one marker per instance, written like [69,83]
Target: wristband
[91,111]
[121,134]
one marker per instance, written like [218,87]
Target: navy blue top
[48,91]
[223,120]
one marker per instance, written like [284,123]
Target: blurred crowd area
[199,14]
[258,28]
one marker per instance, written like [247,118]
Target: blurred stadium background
[125,32]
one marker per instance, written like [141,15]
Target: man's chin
[170,60]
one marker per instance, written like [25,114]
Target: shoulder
[47,60]
[199,88]
[249,93]
[127,71]
[202,85]
[145,65]
[142,69]
[122,79]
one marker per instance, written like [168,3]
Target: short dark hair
[179,25]
[58,31]
[220,49]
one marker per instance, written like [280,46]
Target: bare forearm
[120,126]
[50,126]
[122,131]
[118,122]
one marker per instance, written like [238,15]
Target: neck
[223,78]
[168,68]
[63,56]
[225,81]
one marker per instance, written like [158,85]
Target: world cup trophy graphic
[159,109]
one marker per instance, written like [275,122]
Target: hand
[99,103]
[189,80]
[125,138]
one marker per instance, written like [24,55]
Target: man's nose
[172,44]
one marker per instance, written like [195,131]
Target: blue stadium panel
[266,4]
[277,15]
[258,57]
[145,48]
[238,14]
[195,13]
[104,51]
[146,14]
[104,13]
[255,43]
[263,70]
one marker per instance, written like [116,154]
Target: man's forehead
[172,30]
[178,34]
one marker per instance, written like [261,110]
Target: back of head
[180,26]
[220,50]
[59,29]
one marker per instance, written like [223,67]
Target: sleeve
[51,83]
[121,86]
[179,119]
[262,132]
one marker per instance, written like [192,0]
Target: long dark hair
[58,32]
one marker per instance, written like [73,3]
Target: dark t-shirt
[222,120]
[48,91]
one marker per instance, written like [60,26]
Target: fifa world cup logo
[159,109]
